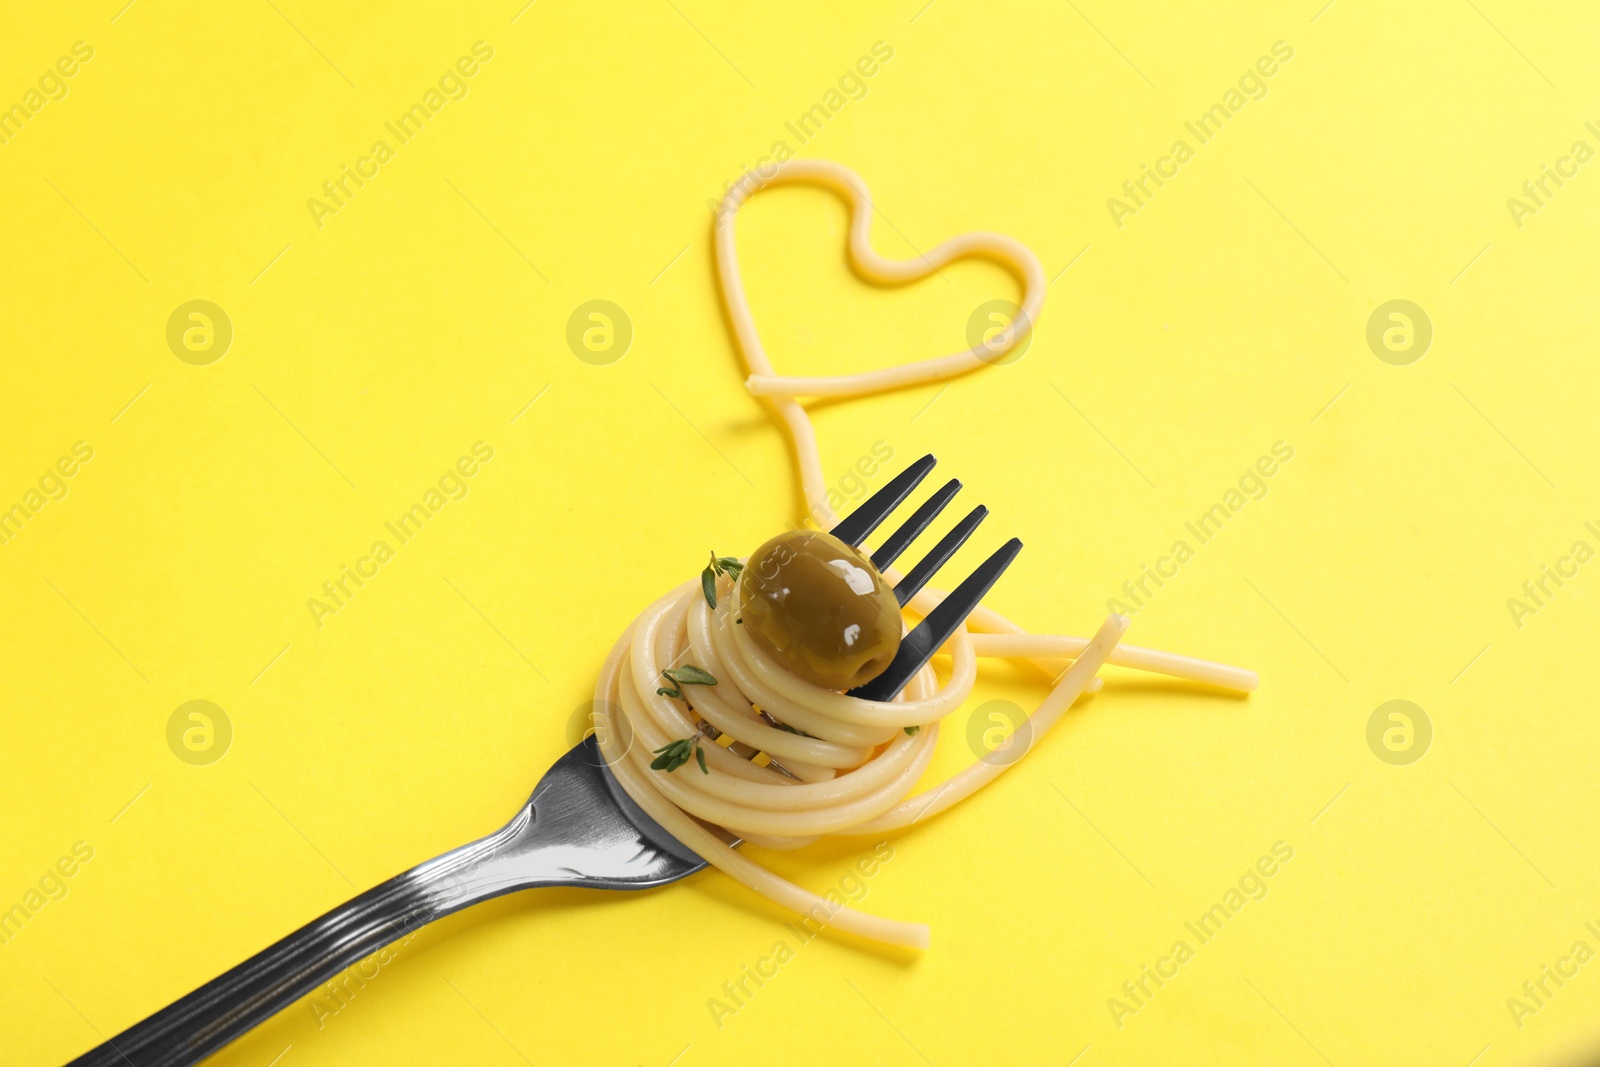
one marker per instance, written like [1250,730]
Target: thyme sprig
[688,674]
[719,565]
[670,757]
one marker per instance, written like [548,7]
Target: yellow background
[427,313]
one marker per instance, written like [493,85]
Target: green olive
[820,608]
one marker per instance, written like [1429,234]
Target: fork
[579,828]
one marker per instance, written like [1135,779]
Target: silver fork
[579,828]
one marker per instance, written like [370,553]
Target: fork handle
[194,1026]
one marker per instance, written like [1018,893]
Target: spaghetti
[826,763]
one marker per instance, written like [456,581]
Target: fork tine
[919,575]
[918,646]
[901,539]
[854,527]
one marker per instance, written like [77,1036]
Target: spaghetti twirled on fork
[849,766]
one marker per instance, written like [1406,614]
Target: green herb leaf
[689,674]
[670,757]
[911,731]
[675,694]
[728,565]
